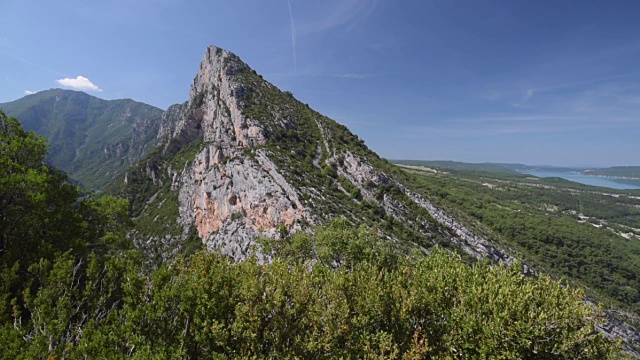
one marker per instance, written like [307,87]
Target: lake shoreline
[591,180]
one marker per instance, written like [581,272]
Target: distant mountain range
[615,171]
[454,165]
[90,138]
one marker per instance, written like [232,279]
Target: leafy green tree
[107,223]
[38,212]
[206,306]
[46,227]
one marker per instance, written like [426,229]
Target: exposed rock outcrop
[237,200]
[616,328]
[214,111]
[230,198]
[232,195]
[170,120]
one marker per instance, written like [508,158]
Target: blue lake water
[610,182]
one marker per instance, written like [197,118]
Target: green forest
[72,286]
[622,171]
[564,229]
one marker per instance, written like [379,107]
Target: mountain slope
[621,171]
[247,160]
[455,165]
[90,138]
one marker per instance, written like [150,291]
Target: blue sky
[536,82]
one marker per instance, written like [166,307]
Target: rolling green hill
[486,167]
[456,165]
[616,171]
[90,138]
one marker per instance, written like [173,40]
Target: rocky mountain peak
[254,161]
[218,66]
[214,111]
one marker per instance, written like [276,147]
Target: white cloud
[81,83]
[29,92]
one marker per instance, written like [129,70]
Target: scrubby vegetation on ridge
[350,303]
[309,149]
[559,228]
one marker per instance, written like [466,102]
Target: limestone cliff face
[214,111]
[230,198]
[233,202]
[170,120]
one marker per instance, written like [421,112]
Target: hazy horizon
[571,166]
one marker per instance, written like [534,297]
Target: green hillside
[89,138]
[455,165]
[616,171]
[586,235]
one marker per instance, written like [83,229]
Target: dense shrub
[336,300]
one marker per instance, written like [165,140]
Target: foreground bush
[337,301]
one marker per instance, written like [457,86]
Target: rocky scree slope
[92,139]
[246,160]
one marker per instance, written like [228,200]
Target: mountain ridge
[256,162]
[91,139]
[632,172]
[242,160]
